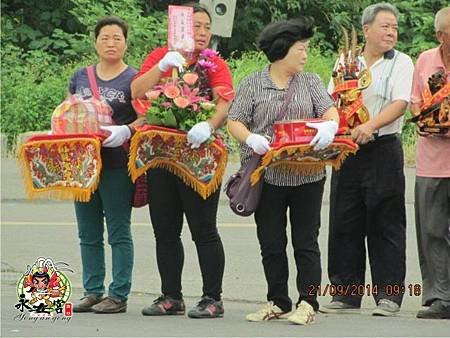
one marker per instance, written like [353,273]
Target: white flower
[208,106]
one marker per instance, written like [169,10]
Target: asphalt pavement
[30,229]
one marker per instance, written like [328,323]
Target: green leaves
[161,118]
[415,22]
[43,42]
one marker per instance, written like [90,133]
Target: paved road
[133,324]
[32,229]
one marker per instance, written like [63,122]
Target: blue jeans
[111,201]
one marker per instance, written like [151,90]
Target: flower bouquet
[181,102]
[172,108]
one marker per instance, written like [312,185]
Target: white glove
[119,134]
[199,134]
[325,133]
[171,59]
[258,143]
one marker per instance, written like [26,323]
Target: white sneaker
[386,308]
[304,314]
[268,312]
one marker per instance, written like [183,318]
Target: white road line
[18,223]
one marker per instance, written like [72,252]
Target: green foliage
[321,63]
[250,62]
[38,61]
[145,32]
[415,23]
[43,42]
[409,139]
[33,22]
[32,85]
[65,28]
[43,26]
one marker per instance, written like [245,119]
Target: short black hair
[108,21]
[276,38]
[198,8]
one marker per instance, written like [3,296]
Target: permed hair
[370,12]
[277,38]
[108,21]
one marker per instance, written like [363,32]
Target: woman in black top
[112,200]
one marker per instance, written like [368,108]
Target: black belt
[379,139]
[376,137]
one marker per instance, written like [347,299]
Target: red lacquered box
[295,131]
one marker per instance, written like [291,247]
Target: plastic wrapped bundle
[80,116]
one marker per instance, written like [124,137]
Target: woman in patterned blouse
[251,118]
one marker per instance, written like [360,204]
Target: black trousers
[169,199]
[368,201]
[304,203]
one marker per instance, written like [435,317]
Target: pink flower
[153,94]
[191,94]
[181,102]
[208,65]
[171,91]
[190,78]
[207,53]
[166,105]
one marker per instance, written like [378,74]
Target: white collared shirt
[391,80]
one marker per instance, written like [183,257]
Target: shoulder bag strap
[93,82]
[287,100]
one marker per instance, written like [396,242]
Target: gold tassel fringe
[299,167]
[203,189]
[57,192]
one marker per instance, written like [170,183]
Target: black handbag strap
[289,94]
[287,99]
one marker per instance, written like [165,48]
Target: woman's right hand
[171,59]
[258,143]
[118,135]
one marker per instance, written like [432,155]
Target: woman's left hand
[325,133]
[199,134]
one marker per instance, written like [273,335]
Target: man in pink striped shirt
[432,190]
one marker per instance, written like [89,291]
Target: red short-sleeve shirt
[220,77]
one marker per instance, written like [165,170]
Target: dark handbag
[244,198]
[140,197]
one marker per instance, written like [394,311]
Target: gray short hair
[370,12]
[442,17]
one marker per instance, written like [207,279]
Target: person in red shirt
[170,198]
